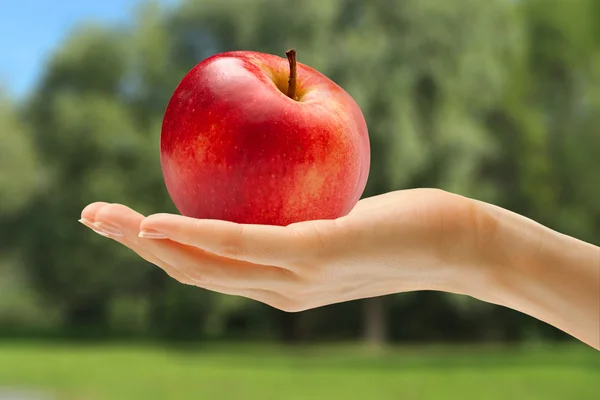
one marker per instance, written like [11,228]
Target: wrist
[486,245]
[505,248]
[470,238]
[523,265]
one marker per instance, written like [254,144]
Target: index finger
[259,244]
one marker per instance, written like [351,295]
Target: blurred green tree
[495,100]
[19,166]
[20,179]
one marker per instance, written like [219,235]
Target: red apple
[255,138]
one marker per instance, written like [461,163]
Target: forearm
[550,276]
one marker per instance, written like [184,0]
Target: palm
[303,265]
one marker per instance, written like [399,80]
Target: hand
[421,239]
[400,241]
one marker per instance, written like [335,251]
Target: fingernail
[87,222]
[108,229]
[151,234]
[90,225]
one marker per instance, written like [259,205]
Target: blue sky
[31,29]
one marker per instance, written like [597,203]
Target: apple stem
[291,56]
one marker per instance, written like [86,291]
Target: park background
[497,100]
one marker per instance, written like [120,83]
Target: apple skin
[235,147]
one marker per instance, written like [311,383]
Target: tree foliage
[495,100]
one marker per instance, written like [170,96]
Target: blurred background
[497,100]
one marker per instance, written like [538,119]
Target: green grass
[94,372]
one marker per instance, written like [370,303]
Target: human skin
[421,239]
